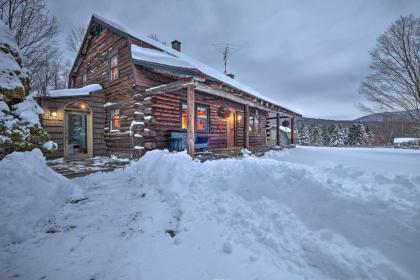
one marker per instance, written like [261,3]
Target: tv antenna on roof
[227,49]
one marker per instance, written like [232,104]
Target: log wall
[164,115]
[96,62]
[55,125]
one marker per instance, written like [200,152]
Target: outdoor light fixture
[53,112]
[82,106]
[239,118]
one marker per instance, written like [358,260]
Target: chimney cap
[176,45]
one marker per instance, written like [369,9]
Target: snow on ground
[307,213]
[30,193]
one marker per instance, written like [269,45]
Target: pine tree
[314,135]
[325,136]
[369,136]
[361,134]
[343,135]
[303,133]
[335,135]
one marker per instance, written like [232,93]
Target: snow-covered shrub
[20,129]
[14,78]
[30,192]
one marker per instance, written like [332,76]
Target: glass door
[77,134]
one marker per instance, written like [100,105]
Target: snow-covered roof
[283,128]
[169,56]
[70,92]
[158,57]
[405,140]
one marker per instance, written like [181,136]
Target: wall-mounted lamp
[239,118]
[82,106]
[53,112]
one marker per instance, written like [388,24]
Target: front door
[230,129]
[77,135]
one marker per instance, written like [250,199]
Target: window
[98,30]
[115,119]
[254,124]
[84,77]
[184,119]
[113,63]
[201,117]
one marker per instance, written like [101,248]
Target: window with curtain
[114,67]
[115,119]
[184,120]
[201,117]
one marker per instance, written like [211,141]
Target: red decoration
[224,112]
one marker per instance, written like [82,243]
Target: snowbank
[280,217]
[30,192]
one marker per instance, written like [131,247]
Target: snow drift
[284,216]
[30,193]
[282,219]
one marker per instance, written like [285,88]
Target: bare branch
[393,83]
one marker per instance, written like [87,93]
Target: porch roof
[200,86]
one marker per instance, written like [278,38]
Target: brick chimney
[176,45]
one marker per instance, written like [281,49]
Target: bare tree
[35,33]
[48,72]
[35,30]
[74,41]
[393,83]
[75,38]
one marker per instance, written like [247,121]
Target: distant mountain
[373,118]
[322,122]
[387,116]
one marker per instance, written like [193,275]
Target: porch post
[292,128]
[246,125]
[190,119]
[278,129]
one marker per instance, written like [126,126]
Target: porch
[193,111]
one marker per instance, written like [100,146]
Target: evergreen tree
[369,136]
[357,134]
[303,133]
[325,135]
[342,135]
[335,137]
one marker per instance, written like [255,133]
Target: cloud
[309,55]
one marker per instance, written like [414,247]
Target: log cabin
[129,94]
